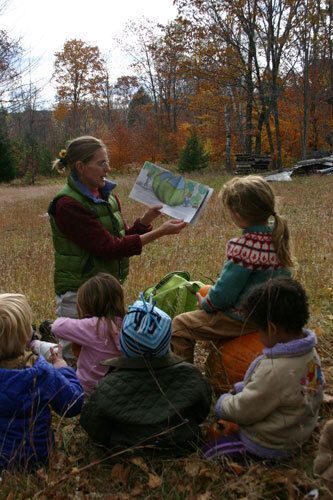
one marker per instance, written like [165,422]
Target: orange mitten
[221,428]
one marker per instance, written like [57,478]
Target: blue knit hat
[146,331]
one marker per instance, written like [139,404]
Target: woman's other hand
[151,214]
[56,358]
[172,227]
[168,227]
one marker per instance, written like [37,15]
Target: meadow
[78,469]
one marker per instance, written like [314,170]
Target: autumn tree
[124,90]
[158,54]
[140,37]
[261,36]
[138,104]
[79,75]
[225,33]
[11,54]
[170,57]
[105,96]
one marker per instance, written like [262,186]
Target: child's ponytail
[281,240]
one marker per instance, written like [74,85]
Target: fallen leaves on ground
[139,462]
[154,481]
[120,473]
[237,468]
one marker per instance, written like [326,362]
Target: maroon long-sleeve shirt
[85,230]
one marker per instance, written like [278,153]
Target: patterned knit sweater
[251,259]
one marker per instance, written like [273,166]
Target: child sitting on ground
[259,254]
[100,306]
[150,397]
[30,386]
[276,405]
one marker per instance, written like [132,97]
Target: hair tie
[62,156]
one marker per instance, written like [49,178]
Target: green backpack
[175,293]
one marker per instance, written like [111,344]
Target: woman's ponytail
[58,166]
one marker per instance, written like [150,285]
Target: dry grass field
[77,469]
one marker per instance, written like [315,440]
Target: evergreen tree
[193,156]
[7,165]
[45,161]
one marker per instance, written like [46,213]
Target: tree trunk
[270,139]
[278,164]
[306,86]
[261,121]
[227,118]
[305,131]
[330,49]
[249,100]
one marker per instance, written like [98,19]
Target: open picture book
[181,198]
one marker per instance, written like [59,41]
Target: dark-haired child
[100,306]
[276,405]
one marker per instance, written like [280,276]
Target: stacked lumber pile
[251,163]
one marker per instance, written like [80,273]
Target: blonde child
[100,305]
[276,405]
[30,387]
[261,253]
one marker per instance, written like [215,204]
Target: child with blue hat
[146,331]
[150,397]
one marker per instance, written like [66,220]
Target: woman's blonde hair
[101,296]
[80,149]
[15,324]
[253,199]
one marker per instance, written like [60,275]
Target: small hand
[56,358]
[173,226]
[199,299]
[151,214]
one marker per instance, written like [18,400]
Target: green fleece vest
[75,265]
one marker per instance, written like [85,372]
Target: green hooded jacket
[159,402]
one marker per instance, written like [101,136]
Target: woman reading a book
[88,230]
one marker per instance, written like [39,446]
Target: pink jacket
[95,346]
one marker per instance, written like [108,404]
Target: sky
[44,25]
